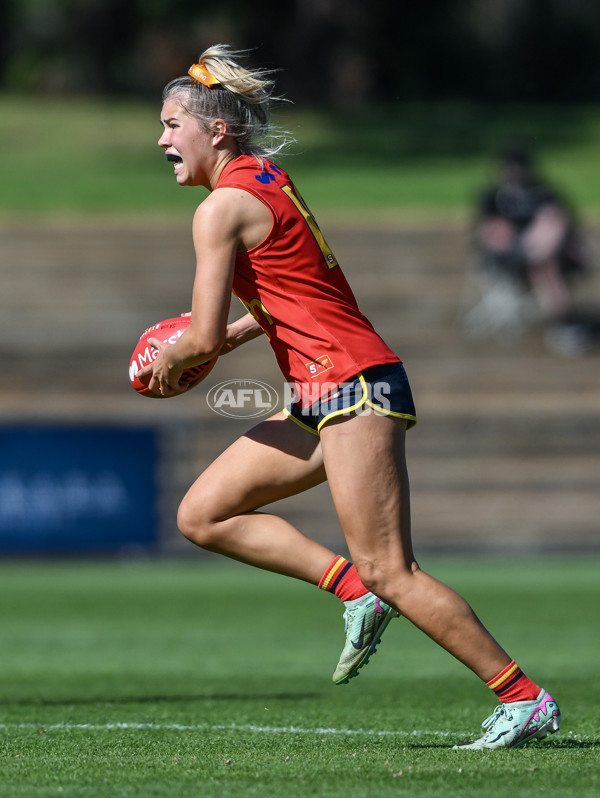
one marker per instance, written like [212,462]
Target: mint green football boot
[366,619]
[514,724]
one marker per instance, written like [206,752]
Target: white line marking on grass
[222,727]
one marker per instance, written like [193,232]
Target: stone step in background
[506,452]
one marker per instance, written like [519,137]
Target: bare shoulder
[234,212]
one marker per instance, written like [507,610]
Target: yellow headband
[200,73]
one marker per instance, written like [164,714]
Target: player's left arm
[244,329]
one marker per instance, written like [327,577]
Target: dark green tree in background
[330,51]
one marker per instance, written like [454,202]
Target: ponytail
[219,87]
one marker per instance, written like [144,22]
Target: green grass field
[79,156]
[205,678]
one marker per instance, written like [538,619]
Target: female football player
[254,236]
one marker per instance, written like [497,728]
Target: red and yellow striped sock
[342,579]
[511,684]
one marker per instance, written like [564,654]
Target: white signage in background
[47,500]
[78,488]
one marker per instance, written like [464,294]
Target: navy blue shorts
[379,389]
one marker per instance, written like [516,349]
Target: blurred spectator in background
[529,253]
[526,230]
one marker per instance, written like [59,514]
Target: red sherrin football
[168,331]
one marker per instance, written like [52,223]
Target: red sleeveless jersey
[294,287]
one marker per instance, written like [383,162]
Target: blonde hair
[243,98]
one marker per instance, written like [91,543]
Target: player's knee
[389,581]
[195,524]
[372,577]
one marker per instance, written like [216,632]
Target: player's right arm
[216,241]
[228,221]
